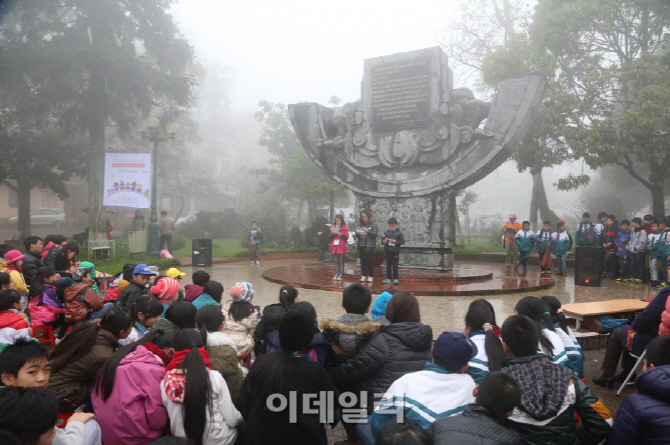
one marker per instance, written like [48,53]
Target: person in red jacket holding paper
[339,234]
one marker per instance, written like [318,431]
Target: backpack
[590,235]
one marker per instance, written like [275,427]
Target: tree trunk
[299,213]
[23,188]
[97,219]
[657,181]
[542,204]
[532,218]
[331,210]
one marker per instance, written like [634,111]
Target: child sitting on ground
[180,315]
[479,327]
[550,344]
[146,312]
[211,295]
[14,260]
[193,291]
[221,348]
[81,300]
[347,332]
[77,359]
[496,397]
[12,325]
[573,349]
[44,306]
[25,364]
[549,393]
[643,415]
[421,394]
[242,317]
[129,383]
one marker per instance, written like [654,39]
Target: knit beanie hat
[296,331]
[166,288]
[379,308]
[13,256]
[242,292]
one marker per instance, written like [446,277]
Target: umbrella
[108,209]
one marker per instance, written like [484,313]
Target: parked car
[42,217]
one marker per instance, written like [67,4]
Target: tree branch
[628,166]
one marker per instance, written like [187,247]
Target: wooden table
[579,311]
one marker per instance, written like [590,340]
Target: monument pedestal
[427,222]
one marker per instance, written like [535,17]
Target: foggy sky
[297,50]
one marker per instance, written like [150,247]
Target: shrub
[178,242]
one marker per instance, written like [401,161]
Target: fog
[292,51]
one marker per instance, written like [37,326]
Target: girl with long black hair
[79,357]
[130,383]
[479,326]
[196,397]
[551,344]
[285,372]
[572,347]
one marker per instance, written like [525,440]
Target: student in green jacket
[560,244]
[525,240]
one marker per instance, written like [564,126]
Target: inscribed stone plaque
[401,94]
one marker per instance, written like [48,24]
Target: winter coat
[131,293]
[542,239]
[80,301]
[75,380]
[638,239]
[423,397]
[299,377]
[478,366]
[348,332]
[136,394]
[223,355]
[393,235]
[621,242]
[647,323]
[609,236]
[582,230]
[664,327]
[560,243]
[653,241]
[396,350]
[31,263]
[12,326]
[242,332]
[664,243]
[18,281]
[338,242]
[205,300]
[367,241]
[316,351]
[122,285]
[45,309]
[559,356]
[525,240]
[193,291]
[272,315]
[549,394]
[219,429]
[56,260]
[73,433]
[474,426]
[644,416]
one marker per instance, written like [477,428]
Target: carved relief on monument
[415,216]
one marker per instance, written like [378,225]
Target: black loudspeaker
[589,263]
[201,253]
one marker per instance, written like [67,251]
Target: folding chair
[632,371]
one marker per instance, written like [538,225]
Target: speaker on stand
[589,263]
[201,253]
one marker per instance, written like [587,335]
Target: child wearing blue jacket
[622,253]
[560,244]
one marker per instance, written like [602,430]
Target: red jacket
[338,242]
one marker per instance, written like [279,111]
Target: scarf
[46,249]
[175,378]
[158,352]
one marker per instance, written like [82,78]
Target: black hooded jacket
[396,350]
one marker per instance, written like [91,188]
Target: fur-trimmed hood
[362,328]
[215,339]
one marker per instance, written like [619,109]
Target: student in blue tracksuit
[525,240]
[560,244]
[622,252]
[573,349]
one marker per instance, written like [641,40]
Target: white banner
[128,180]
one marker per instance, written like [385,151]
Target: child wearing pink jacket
[339,234]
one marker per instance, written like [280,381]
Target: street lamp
[154,135]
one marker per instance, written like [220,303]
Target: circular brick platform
[466,280]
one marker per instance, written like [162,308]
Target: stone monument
[412,142]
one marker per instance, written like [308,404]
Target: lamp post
[153,134]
